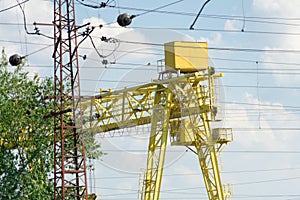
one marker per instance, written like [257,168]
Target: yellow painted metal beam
[157,144]
[133,106]
[186,101]
[205,145]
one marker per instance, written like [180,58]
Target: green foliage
[26,155]
[26,135]
[92,147]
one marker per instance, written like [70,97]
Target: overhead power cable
[212,30]
[19,3]
[96,6]
[225,70]
[225,151]
[187,29]
[249,72]
[39,50]
[253,50]
[244,19]
[170,190]
[263,87]
[210,48]
[199,174]
[36,30]
[197,16]
[148,67]
[214,58]
[152,67]
[266,181]
[20,42]
[121,133]
[156,9]
[233,17]
[263,105]
[106,4]
[253,19]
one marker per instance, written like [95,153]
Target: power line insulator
[15,60]
[125,19]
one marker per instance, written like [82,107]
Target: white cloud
[232,25]
[215,39]
[17,33]
[15,40]
[267,5]
[253,122]
[108,31]
[134,49]
[282,73]
[281,9]
[278,7]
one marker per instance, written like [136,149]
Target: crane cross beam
[134,106]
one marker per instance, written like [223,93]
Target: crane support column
[205,145]
[209,163]
[157,144]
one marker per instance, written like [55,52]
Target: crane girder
[112,110]
[181,107]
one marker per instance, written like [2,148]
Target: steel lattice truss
[70,168]
[181,107]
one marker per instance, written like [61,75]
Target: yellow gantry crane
[180,104]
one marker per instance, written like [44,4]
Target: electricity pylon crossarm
[181,107]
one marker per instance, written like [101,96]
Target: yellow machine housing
[186,56]
[182,133]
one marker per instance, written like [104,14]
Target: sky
[255,43]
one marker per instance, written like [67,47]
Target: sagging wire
[106,4]
[39,50]
[20,35]
[108,40]
[244,18]
[125,19]
[101,5]
[36,30]
[158,8]
[5,9]
[206,2]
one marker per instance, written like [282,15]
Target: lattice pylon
[69,160]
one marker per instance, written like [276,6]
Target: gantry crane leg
[157,144]
[210,170]
[207,155]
